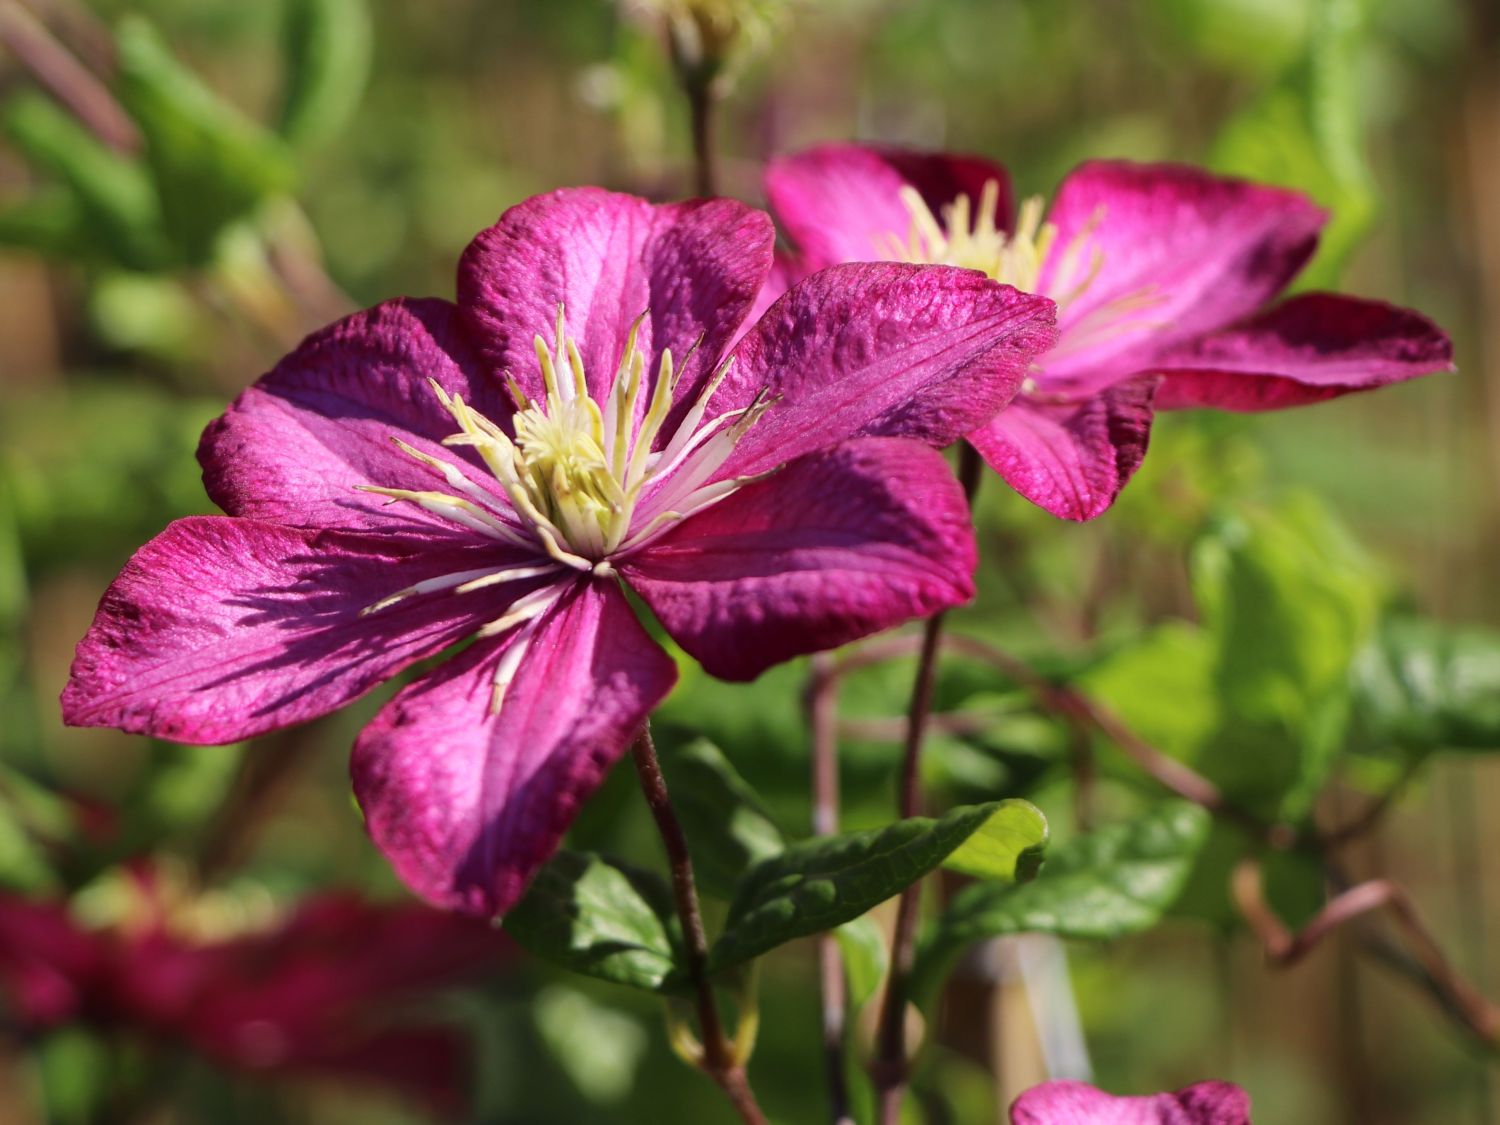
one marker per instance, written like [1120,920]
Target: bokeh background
[116,346]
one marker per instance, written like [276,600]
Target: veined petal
[219,628]
[1307,349]
[842,203]
[293,448]
[1178,251]
[695,268]
[836,546]
[1077,1103]
[1071,459]
[467,802]
[926,352]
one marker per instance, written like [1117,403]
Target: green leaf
[1424,686]
[113,204]
[599,1048]
[1162,688]
[727,827]
[865,958]
[327,45]
[1117,880]
[1289,601]
[1007,848]
[819,884]
[601,919]
[50,223]
[212,165]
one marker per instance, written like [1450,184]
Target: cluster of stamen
[582,481]
[966,236]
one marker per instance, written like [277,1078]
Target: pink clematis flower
[424,474]
[1077,1103]
[1161,274]
[314,994]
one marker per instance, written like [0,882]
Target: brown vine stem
[890,1068]
[705,165]
[1286,947]
[719,1059]
[266,770]
[821,702]
[60,73]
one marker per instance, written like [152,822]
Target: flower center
[584,482]
[967,236]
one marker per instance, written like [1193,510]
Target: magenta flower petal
[1179,251]
[694,268]
[1077,1103]
[926,352]
[467,803]
[49,968]
[842,203]
[1306,349]
[1071,458]
[293,448]
[836,546]
[222,628]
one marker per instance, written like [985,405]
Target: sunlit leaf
[1007,848]
[866,958]
[1114,881]
[599,1048]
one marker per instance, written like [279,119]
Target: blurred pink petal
[1157,269]
[841,202]
[1077,1103]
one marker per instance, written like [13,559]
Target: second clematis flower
[1162,276]
[1078,1103]
[427,474]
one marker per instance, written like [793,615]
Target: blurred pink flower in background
[323,992]
[1162,276]
[1077,1103]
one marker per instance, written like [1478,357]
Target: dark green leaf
[327,48]
[727,827]
[1425,686]
[601,919]
[212,164]
[818,884]
[1117,880]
